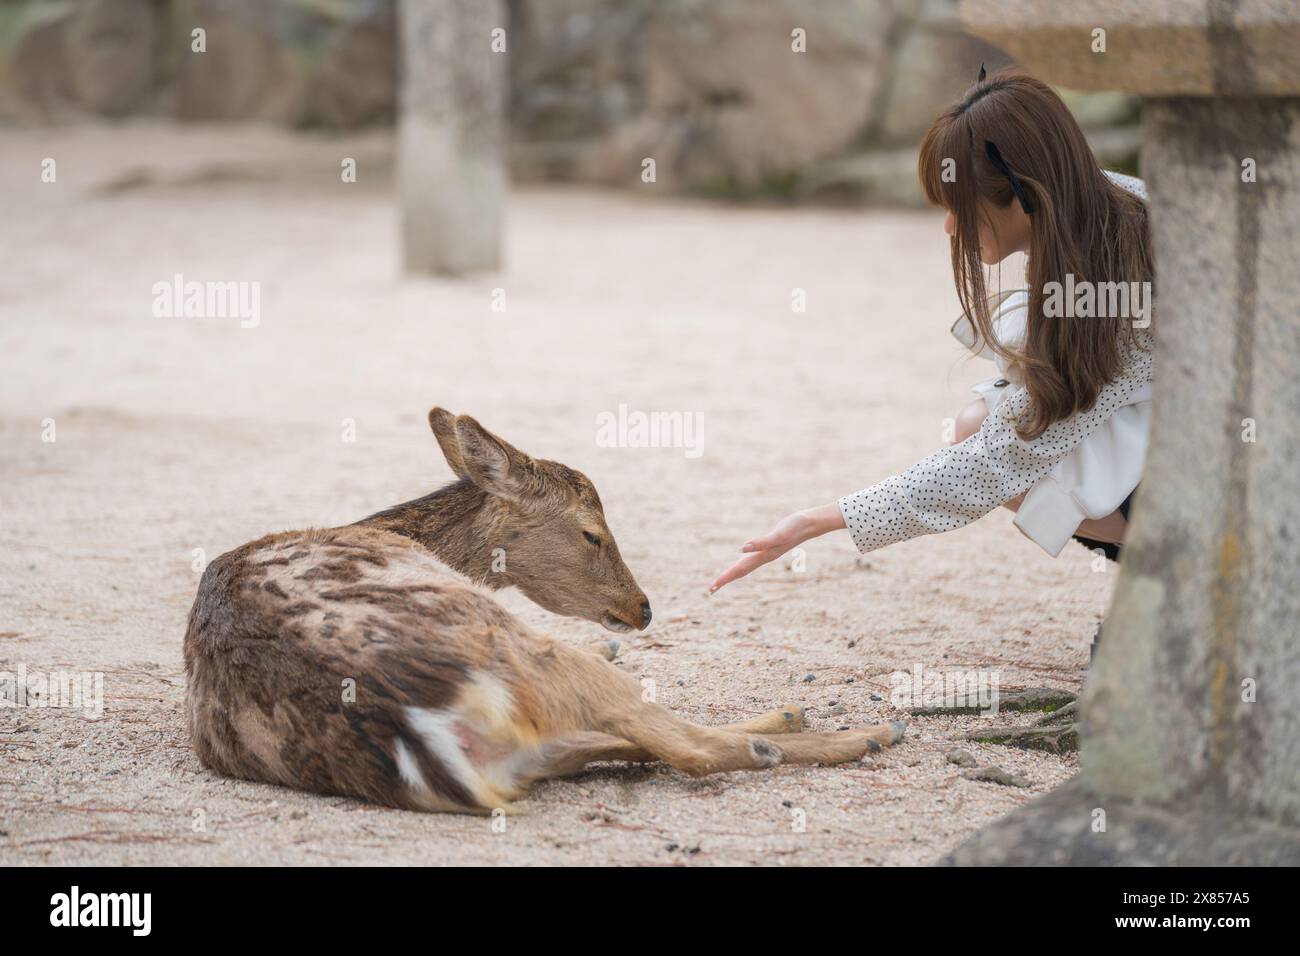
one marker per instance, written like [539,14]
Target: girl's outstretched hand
[790,531]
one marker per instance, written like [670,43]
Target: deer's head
[549,525]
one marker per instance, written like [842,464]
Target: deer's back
[329,659]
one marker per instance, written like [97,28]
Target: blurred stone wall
[711,89]
[296,62]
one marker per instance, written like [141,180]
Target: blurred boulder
[249,69]
[355,81]
[713,91]
[293,62]
[327,63]
[878,177]
[63,58]
[736,107]
[575,81]
[935,63]
[32,78]
[109,47]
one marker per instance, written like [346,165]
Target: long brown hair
[1081,223]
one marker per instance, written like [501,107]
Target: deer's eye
[591,538]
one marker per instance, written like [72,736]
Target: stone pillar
[452,134]
[1191,712]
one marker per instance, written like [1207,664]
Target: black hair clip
[1001,166]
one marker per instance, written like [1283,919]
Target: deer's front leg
[607,650]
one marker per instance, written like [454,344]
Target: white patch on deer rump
[476,739]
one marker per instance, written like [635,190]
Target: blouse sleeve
[963,482]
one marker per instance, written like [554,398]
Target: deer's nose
[645,615]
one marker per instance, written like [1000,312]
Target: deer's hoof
[793,716]
[900,727]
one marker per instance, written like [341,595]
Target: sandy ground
[177,434]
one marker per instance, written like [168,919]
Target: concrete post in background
[1191,715]
[452,134]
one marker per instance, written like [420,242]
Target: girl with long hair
[1059,435]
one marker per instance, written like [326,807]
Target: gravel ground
[176,434]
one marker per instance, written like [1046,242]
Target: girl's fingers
[743,567]
[765,543]
[788,532]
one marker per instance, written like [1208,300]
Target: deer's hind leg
[783,720]
[701,750]
[570,755]
[585,693]
[841,745]
[710,750]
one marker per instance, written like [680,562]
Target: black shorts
[1112,551]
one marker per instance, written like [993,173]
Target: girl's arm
[956,485]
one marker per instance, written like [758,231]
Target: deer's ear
[443,424]
[498,467]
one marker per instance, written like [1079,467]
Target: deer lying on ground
[453,704]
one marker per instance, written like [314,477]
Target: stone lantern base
[1058,830]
